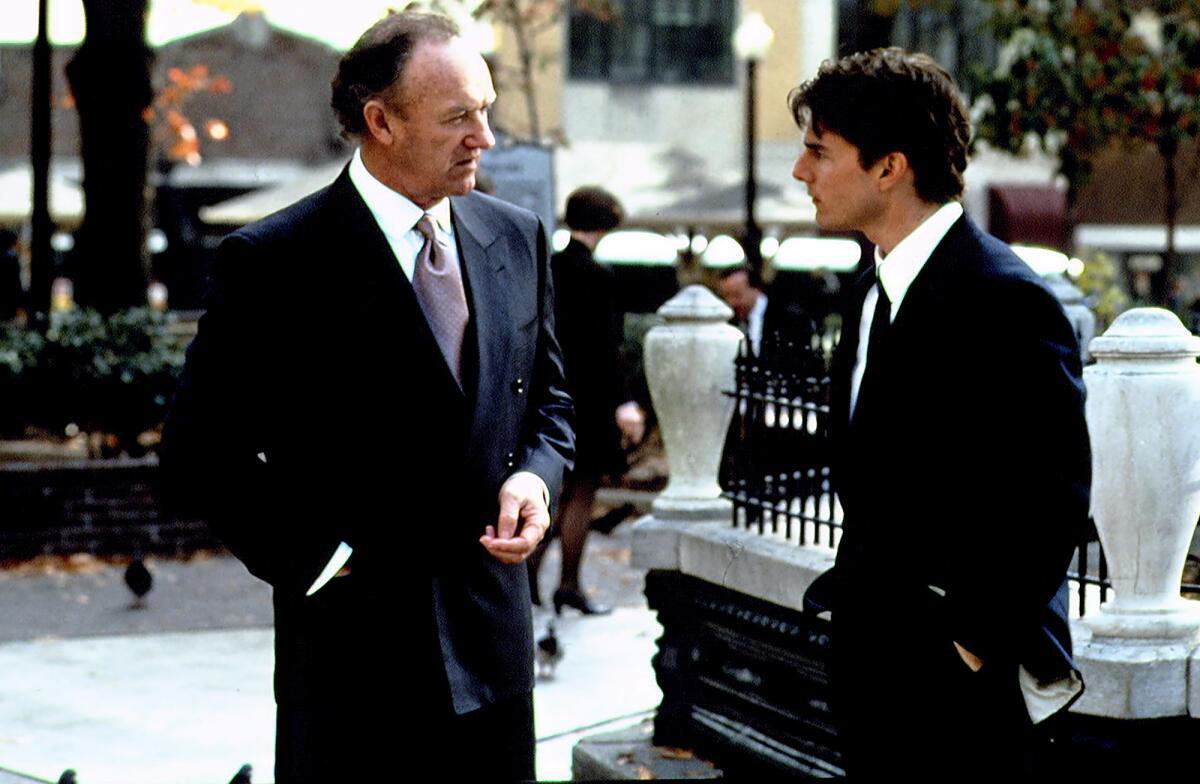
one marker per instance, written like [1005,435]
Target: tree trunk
[521,32]
[110,81]
[1164,282]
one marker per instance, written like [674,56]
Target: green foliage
[1083,75]
[1100,282]
[113,374]
[635,327]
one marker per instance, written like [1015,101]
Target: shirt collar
[900,268]
[757,311]
[394,212]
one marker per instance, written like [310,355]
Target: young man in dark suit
[964,466]
[373,416]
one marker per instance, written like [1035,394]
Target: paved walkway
[189,702]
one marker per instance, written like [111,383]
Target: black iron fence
[777,454]
[1089,571]
[775,469]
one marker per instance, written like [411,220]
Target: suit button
[518,386]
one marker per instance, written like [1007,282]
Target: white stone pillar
[1143,395]
[689,367]
[1083,321]
[1143,399]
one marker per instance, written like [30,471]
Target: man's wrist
[540,482]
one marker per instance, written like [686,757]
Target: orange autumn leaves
[173,130]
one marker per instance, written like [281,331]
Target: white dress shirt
[896,273]
[754,322]
[397,217]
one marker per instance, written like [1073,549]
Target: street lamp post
[41,227]
[751,41]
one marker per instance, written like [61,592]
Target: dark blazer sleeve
[215,454]
[1005,441]
[547,438]
[1022,478]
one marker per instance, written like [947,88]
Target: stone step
[631,754]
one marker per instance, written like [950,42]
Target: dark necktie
[877,343]
[439,289]
[881,324]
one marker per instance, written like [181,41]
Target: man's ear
[891,169]
[379,125]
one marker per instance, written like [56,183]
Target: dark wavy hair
[890,100]
[375,64]
[593,209]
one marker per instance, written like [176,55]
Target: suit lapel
[918,321]
[933,287]
[388,296]
[924,322]
[483,267]
[847,349]
[361,242]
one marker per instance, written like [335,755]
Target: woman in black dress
[589,329]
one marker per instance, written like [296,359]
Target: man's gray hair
[375,64]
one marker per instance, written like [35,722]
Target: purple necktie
[439,289]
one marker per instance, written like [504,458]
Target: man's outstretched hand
[523,521]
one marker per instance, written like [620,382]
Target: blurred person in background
[757,315]
[589,329]
[12,295]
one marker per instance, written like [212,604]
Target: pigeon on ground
[242,776]
[548,653]
[138,578]
[67,777]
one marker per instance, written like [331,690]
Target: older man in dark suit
[766,323]
[373,416]
[964,467]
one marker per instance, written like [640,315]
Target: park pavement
[180,693]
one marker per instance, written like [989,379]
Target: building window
[653,41]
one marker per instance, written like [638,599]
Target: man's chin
[825,222]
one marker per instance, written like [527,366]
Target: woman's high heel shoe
[569,597]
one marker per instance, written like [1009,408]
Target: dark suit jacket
[967,463]
[786,328]
[589,329]
[786,321]
[314,354]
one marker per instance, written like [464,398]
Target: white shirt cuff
[340,556]
[1043,700]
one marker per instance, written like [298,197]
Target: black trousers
[390,718]
[494,743]
[908,706]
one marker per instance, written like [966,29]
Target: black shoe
[573,598]
[606,522]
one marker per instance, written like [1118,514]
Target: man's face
[738,294]
[847,197]
[441,125]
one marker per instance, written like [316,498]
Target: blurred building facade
[275,117]
[648,101]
